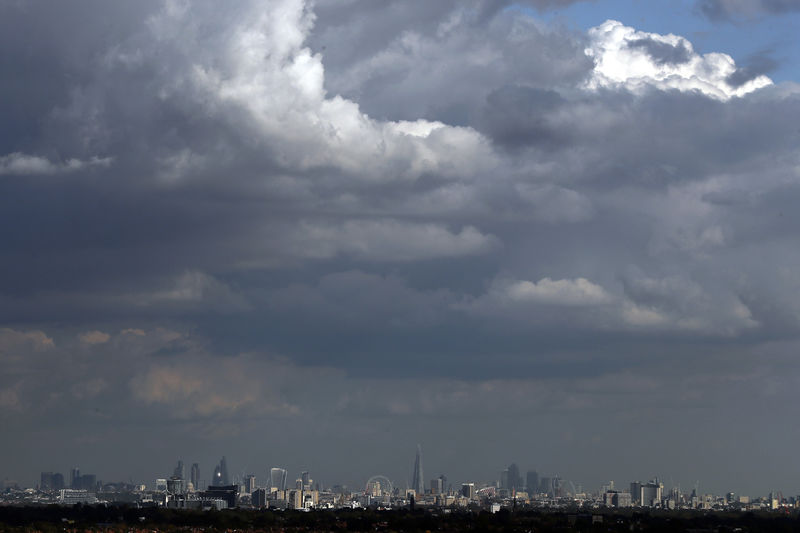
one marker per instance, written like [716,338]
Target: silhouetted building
[58,481]
[532,482]
[418,479]
[250,483]
[259,498]
[74,478]
[180,471]
[227,493]
[196,476]
[221,478]
[514,479]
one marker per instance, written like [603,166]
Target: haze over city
[555,233]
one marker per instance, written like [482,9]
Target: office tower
[418,480]
[305,478]
[179,472]
[58,481]
[514,479]
[504,484]
[636,492]
[250,483]
[651,493]
[437,486]
[223,468]
[277,479]
[196,476]
[468,490]
[46,482]
[546,485]
[259,498]
[75,478]
[532,482]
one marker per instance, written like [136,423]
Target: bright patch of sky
[773,36]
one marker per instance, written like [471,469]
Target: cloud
[22,164]
[388,240]
[733,9]
[579,291]
[94,337]
[635,60]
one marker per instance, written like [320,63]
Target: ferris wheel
[379,486]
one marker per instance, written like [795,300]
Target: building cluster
[187,490]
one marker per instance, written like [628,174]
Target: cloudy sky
[315,234]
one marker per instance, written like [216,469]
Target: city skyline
[550,234]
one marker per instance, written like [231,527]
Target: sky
[316,234]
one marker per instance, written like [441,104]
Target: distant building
[636,492]
[195,475]
[74,478]
[468,490]
[177,486]
[418,478]
[73,496]
[514,479]
[651,494]
[180,471]
[437,486]
[220,477]
[277,479]
[228,493]
[250,483]
[259,498]
[532,482]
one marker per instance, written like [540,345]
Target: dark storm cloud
[731,9]
[213,221]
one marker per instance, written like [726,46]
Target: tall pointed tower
[418,481]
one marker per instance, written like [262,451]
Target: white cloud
[635,60]
[388,240]
[579,291]
[17,163]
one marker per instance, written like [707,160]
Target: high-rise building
[46,482]
[259,498]
[437,486]
[636,492]
[220,478]
[504,484]
[651,493]
[180,471]
[277,479]
[468,490]
[250,483]
[532,482]
[195,477]
[75,478]
[223,467]
[514,479]
[58,481]
[418,480]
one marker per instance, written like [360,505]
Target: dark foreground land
[126,519]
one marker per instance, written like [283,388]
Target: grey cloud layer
[457,201]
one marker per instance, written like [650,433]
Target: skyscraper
[223,467]
[532,482]
[418,480]
[75,478]
[196,476]
[277,479]
[514,479]
[180,471]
